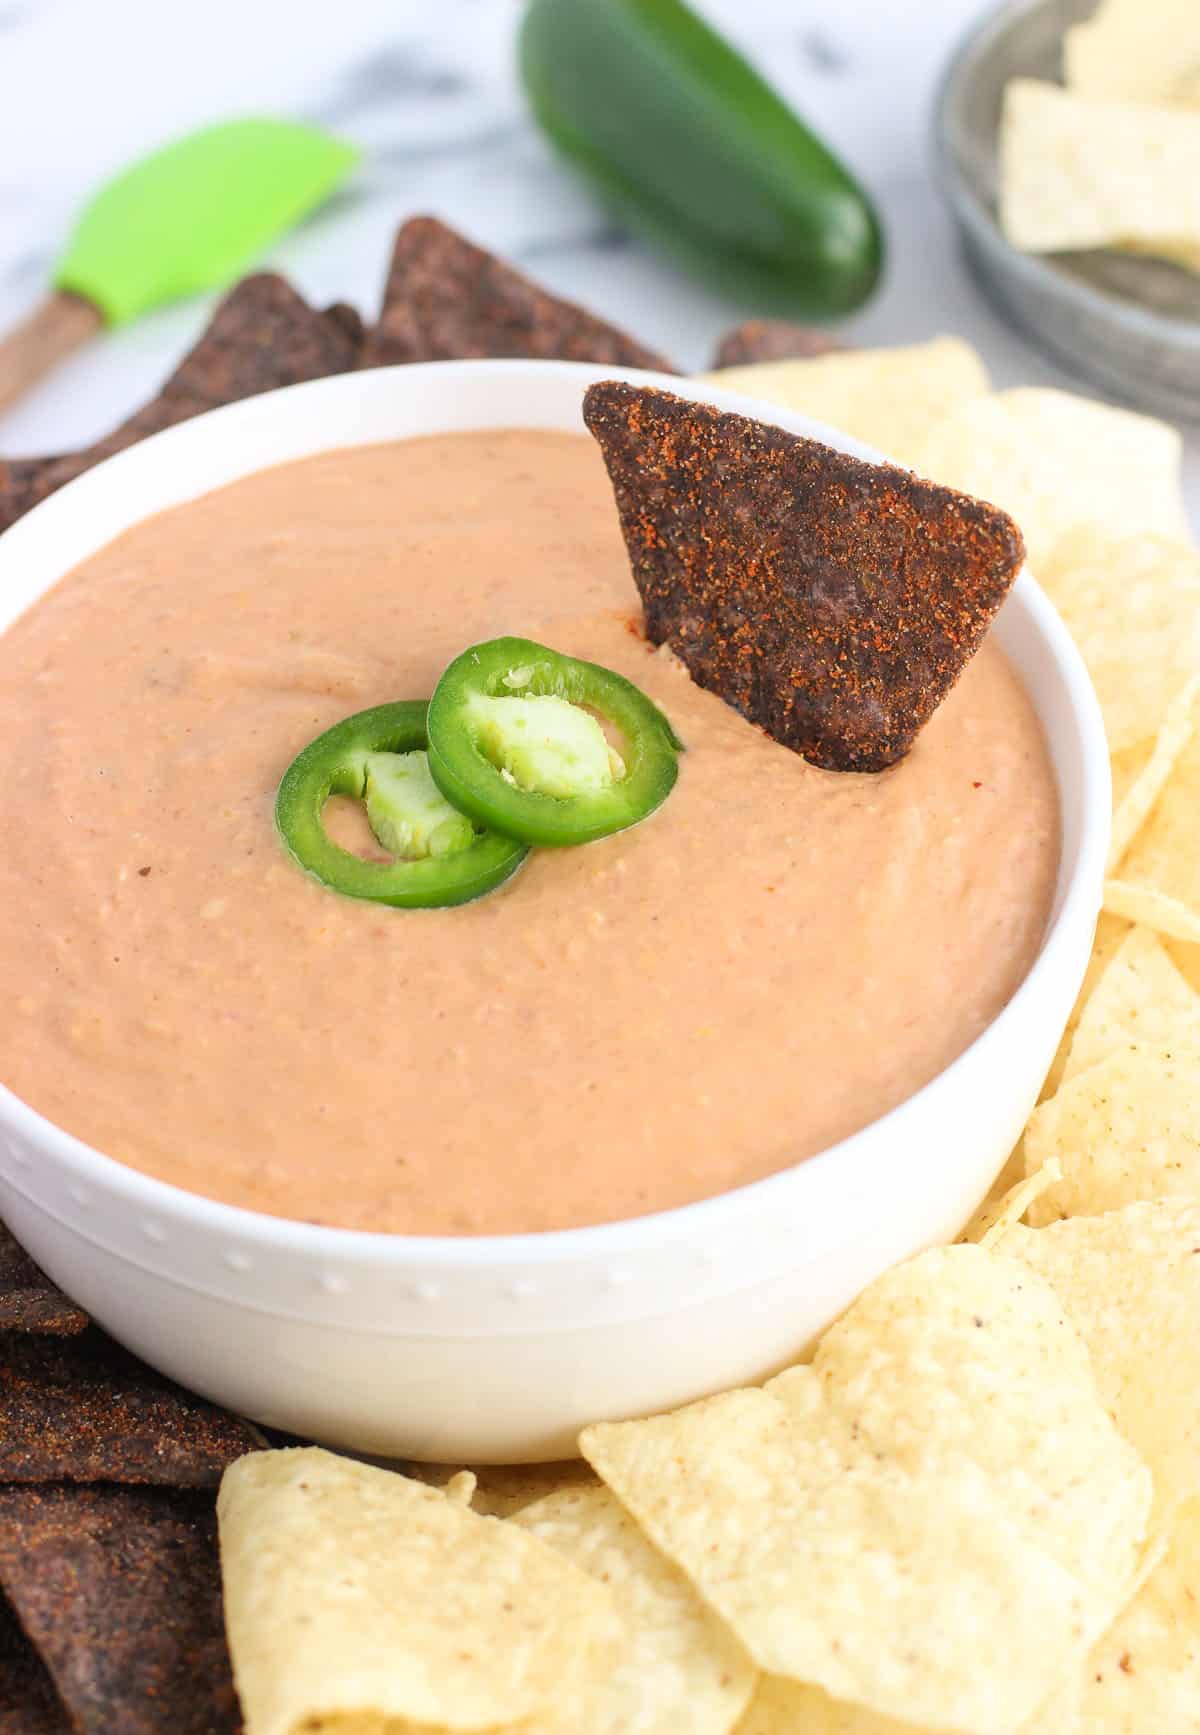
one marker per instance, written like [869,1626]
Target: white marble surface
[429,91]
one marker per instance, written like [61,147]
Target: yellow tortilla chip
[500,1490]
[1137,51]
[1125,1129]
[993,1220]
[1130,1282]
[1141,997]
[1056,461]
[888,397]
[785,1708]
[1132,605]
[1079,171]
[1143,1676]
[910,1522]
[1187,962]
[355,1595]
[1139,777]
[1158,881]
[1110,931]
[677,1667]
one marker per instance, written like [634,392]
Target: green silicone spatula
[189,217]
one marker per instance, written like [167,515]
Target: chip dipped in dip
[774,958]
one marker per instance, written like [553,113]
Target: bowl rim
[1077,899]
[972,214]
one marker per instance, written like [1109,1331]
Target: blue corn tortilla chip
[832,602]
[119,1591]
[28,1299]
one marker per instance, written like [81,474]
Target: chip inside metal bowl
[1129,324]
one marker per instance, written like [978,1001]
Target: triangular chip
[502,1490]
[890,398]
[1080,172]
[85,1410]
[1056,461]
[759,340]
[1125,1129]
[120,1591]
[834,603]
[263,335]
[1110,931]
[902,1520]
[676,1665]
[1141,997]
[1141,773]
[1132,605]
[1158,879]
[448,300]
[28,1299]
[28,1703]
[1130,1282]
[787,1708]
[1143,1676]
[1136,51]
[355,1595]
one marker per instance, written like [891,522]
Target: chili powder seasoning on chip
[832,602]
[84,1410]
[119,1589]
[262,336]
[448,300]
[28,1299]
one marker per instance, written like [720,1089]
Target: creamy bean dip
[774,959]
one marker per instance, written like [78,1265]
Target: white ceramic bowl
[497,1349]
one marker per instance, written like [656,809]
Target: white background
[427,87]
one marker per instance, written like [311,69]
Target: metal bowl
[1129,325]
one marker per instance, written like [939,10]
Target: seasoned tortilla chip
[358,1596]
[758,340]
[1158,879]
[1057,461]
[262,335]
[890,398]
[1125,1129]
[28,1703]
[119,1589]
[1132,605]
[676,1666]
[84,1410]
[931,1520]
[832,602]
[1130,1282]
[447,300]
[1141,997]
[28,1299]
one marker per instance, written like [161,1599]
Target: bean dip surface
[771,961]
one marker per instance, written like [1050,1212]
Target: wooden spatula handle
[62,324]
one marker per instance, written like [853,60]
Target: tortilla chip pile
[974,1507]
[444,299]
[110,1592]
[1112,160]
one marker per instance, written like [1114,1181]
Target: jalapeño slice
[379,757]
[515,741]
